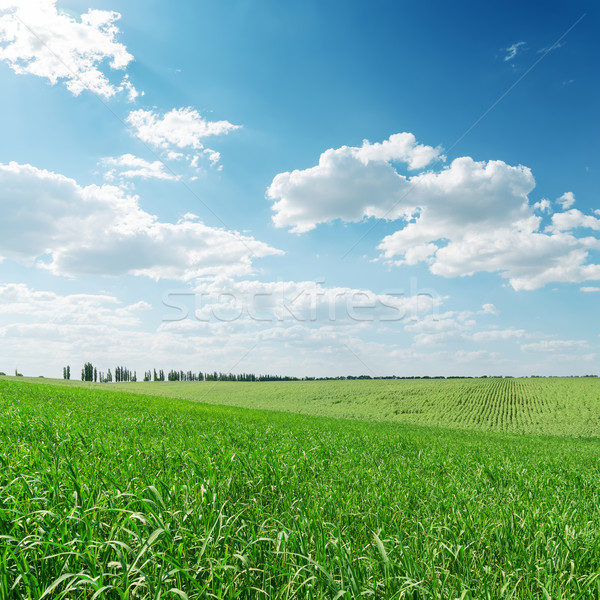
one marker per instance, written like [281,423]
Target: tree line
[123,374]
[91,373]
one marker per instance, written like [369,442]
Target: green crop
[107,494]
[554,406]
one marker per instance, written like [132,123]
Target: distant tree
[95,375]
[68,372]
[87,373]
[109,376]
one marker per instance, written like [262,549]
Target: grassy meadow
[427,489]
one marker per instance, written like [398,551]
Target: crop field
[554,406]
[108,494]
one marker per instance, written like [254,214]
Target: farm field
[554,406]
[108,494]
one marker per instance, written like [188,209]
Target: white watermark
[300,302]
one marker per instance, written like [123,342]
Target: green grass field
[109,494]
[555,406]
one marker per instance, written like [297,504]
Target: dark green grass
[113,495]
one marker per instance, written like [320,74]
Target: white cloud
[307,302]
[19,301]
[465,218]
[349,183]
[555,345]
[101,328]
[543,205]
[498,335]
[213,156]
[489,309]
[38,39]
[399,147]
[76,328]
[129,166]
[454,328]
[71,328]
[572,219]
[528,258]
[102,230]
[436,329]
[567,200]
[590,289]
[473,356]
[513,50]
[132,92]
[179,128]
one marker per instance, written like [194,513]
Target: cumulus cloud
[489,309]
[567,200]
[72,230]
[180,127]
[528,258]
[179,133]
[572,219]
[349,183]
[543,205]
[467,217]
[39,39]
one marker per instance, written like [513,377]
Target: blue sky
[303,188]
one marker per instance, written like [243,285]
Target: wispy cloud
[550,48]
[128,166]
[513,50]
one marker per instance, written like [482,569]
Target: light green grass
[554,406]
[114,495]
